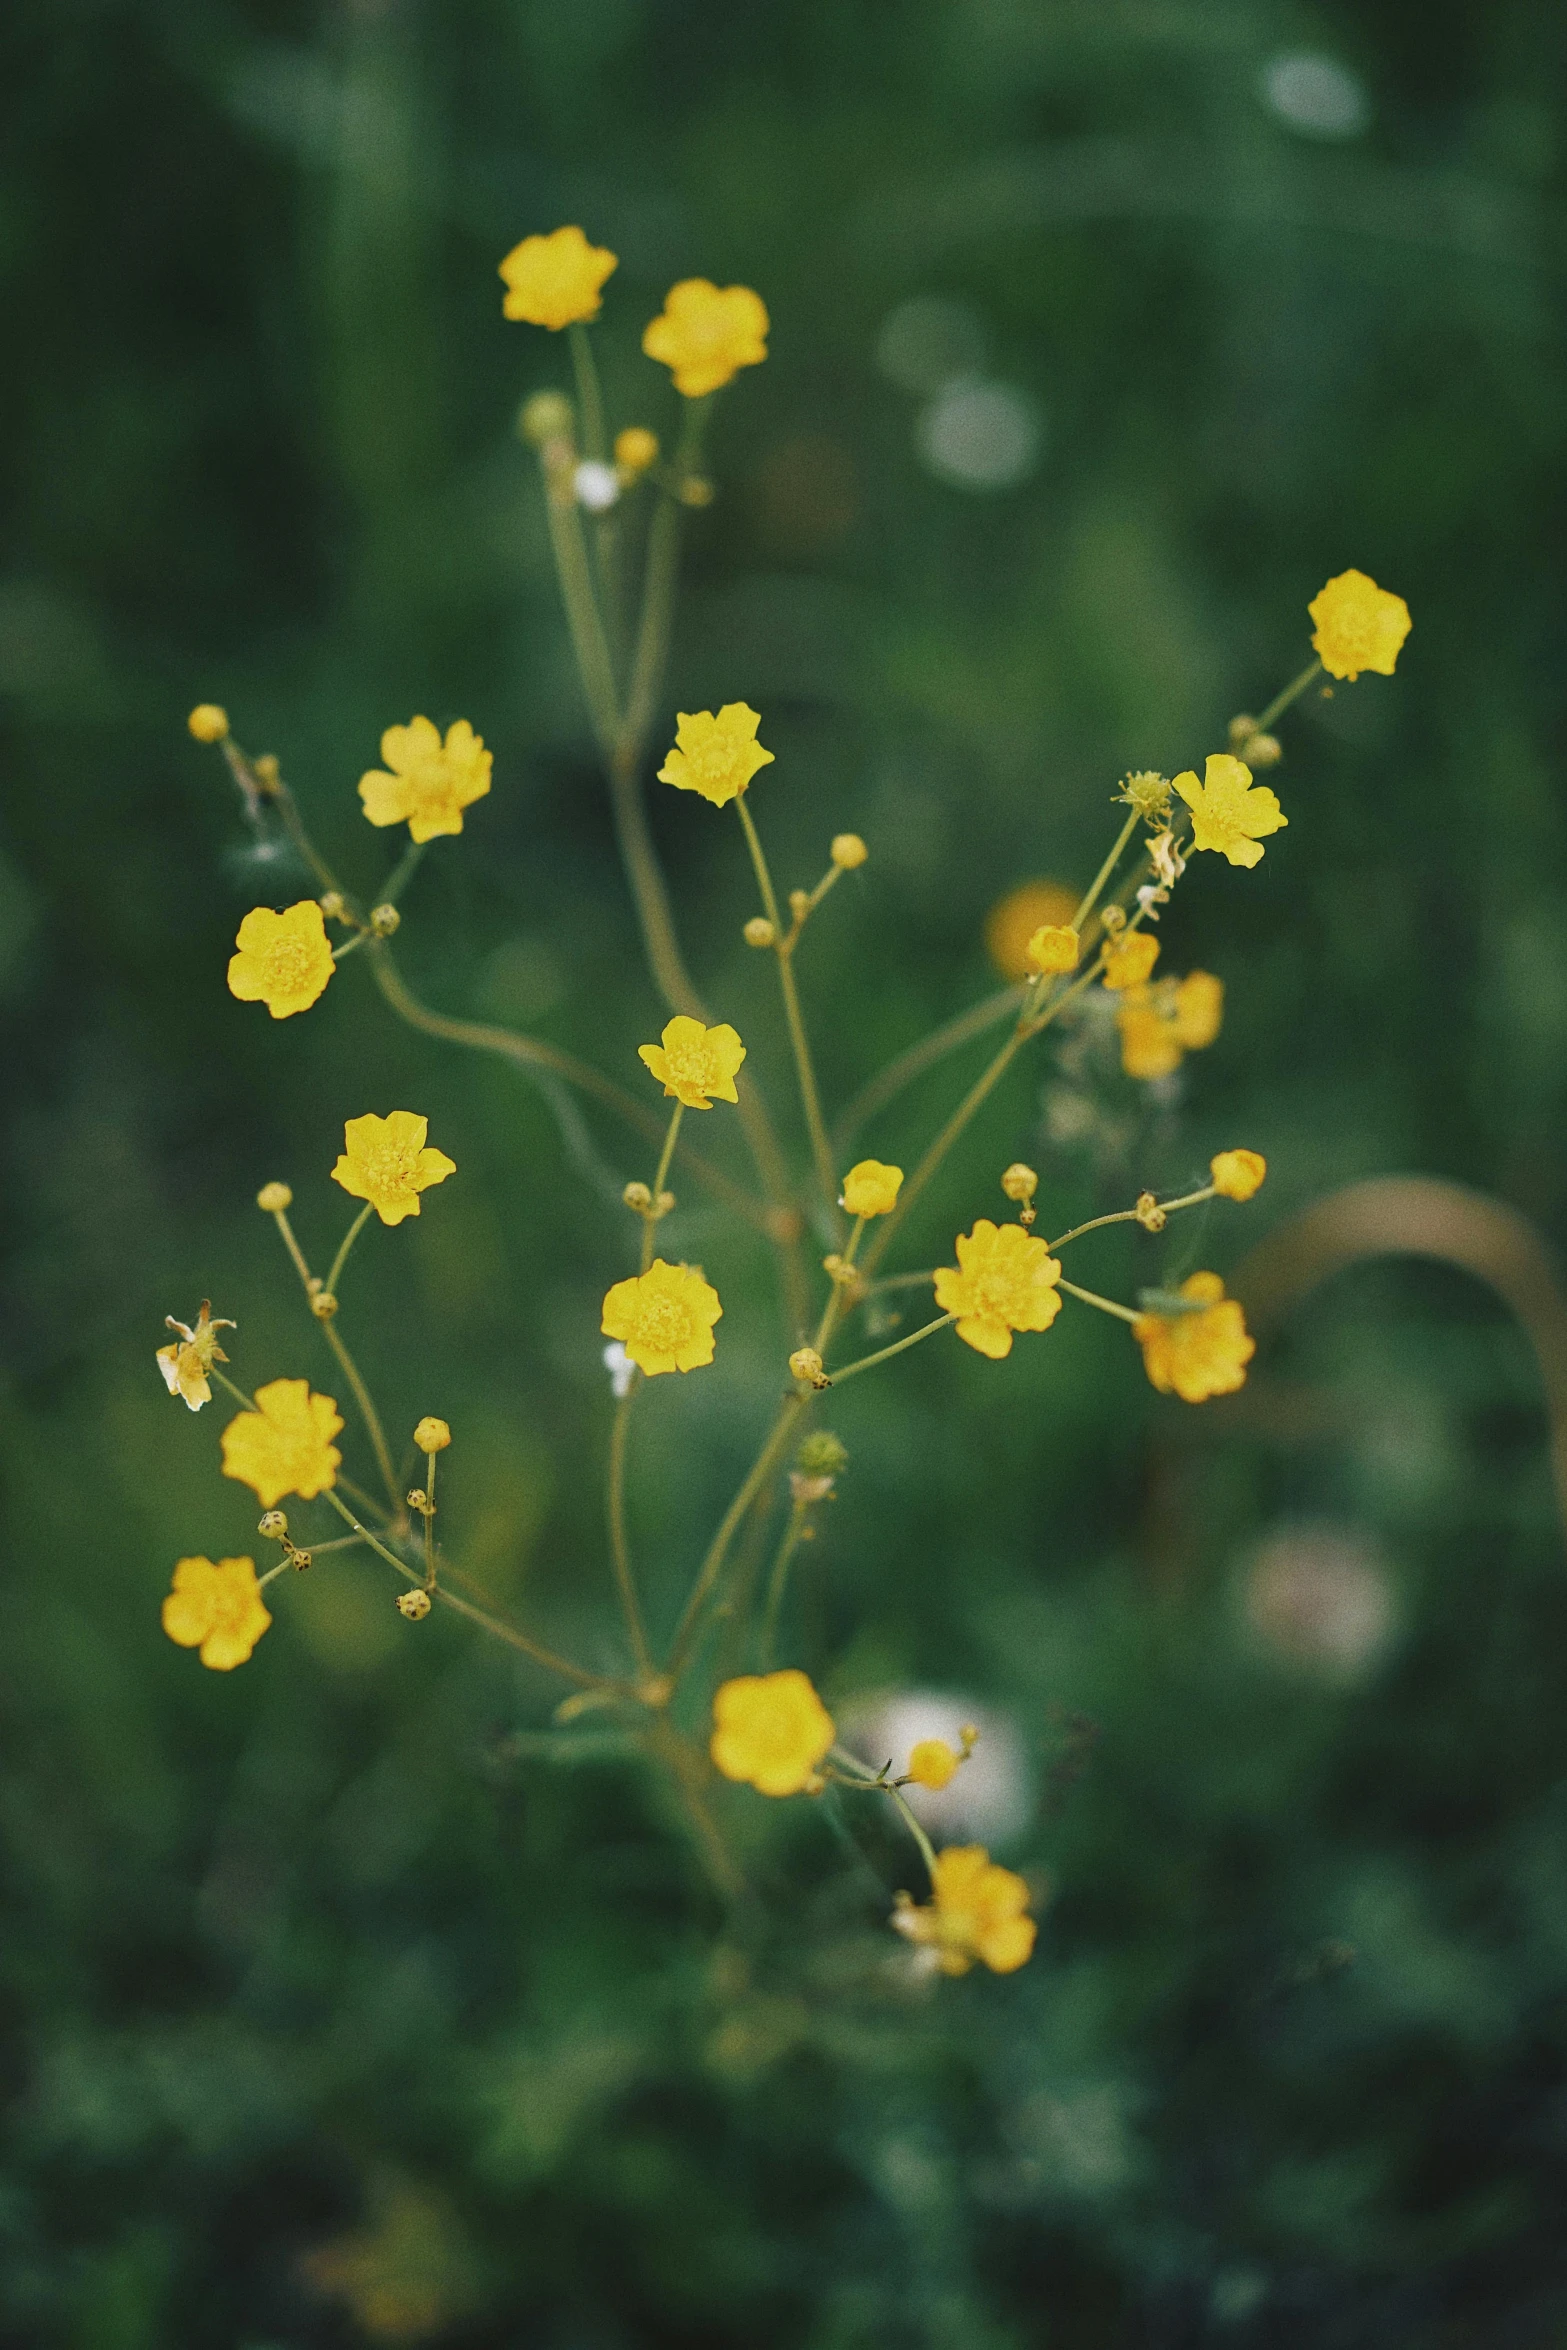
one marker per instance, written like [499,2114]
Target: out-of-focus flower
[208,722]
[1129,960]
[976,1910]
[555,281]
[1359,626]
[216,1606]
[431,782]
[771,1730]
[695,1065]
[1201,1352]
[1054,947]
[664,1318]
[932,1764]
[386,1161]
[706,333]
[284,960]
[284,1445]
[1199,1009]
[1238,1174]
[1013,921]
[1004,1280]
[622,1370]
[1321,1597]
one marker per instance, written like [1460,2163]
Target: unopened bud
[208,722]
[274,1525]
[848,850]
[415,1605]
[821,1454]
[384,920]
[799,903]
[697,490]
[265,771]
[636,449]
[432,1435]
[299,1560]
[638,1198]
[1019,1182]
[332,904]
[1149,1213]
[664,1202]
[1113,918]
[323,1305]
[806,1363]
[968,1739]
[1263,750]
[273,1198]
[759,932]
[545,417]
[418,1499]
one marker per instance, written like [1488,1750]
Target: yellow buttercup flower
[1197,1354]
[386,1161]
[216,1606]
[554,281]
[1359,626]
[976,1910]
[431,782]
[284,960]
[695,1065]
[932,1764]
[706,333]
[1004,1280]
[208,722]
[1150,1044]
[664,1318]
[871,1189]
[1014,920]
[1238,1174]
[1229,812]
[770,1730]
[1199,1009]
[1053,947]
[716,756]
[1129,960]
[185,1366]
[284,1445]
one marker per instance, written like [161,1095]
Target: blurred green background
[338,2008]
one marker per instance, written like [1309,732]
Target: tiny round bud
[968,1739]
[547,416]
[1242,727]
[1149,1213]
[265,771]
[332,904]
[638,1198]
[1019,1182]
[385,920]
[1262,750]
[208,722]
[848,850]
[299,1560]
[806,1363]
[418,1499]
[759,932]
[799,903]
[697,490]
[432,1435]
[655,1689]
[414,1605]
[323,1305]
[1113,918]
[636,449]
[664,1202]
[274,1525]
[821,1454]
[273,1198]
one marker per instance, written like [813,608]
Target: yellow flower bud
[806,1363]
[323,1305]
[1053,947]
[932,1763]
[273,1198]
[546,417]
[1019,1182]
[697,490]
[1238,1174]
[274,1525]
[432,1435]
[848,851]
[208,722]
[418,1500]
[414,1605]
[638,1198]
[636,449]
[332,904]
[759,932]
[385,920]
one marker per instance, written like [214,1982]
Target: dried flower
[715,756]
[1004,1280]
[284,1445]
[1229,812]
[185,1366]
[386,1162]
[1198,1353]
[706,333]
[871,1189]
[976,1910]
[664,1318]
[1359,626]
[216,1607]
[283,961]
[695,1065]
[770,1730]
[1148,792]
[1238,1174]
[431,782]
[554,281]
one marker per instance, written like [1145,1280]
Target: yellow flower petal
[871,1188]
[1238,1174]
[1004,1280]
[770,1731]
[1013,921]
[932,1764]
[1358,626]
[976,1910]
[385,1161]
[554,281]
[284,1445]
[694,1064]
[216,1607]
[664,1318]
[716,756]
[430,782]
[1229,812]
[1201,1353]
[1129,960]
[706,333]
[284,960]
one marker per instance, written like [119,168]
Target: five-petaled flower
[932,1764]
[771,1730]
[1201,1352]
[1230,813]
[976,1910]
[284,1445]
[1359,626]
[695,1065]
[216,1606]
[716,756]
[431,782]
[1004,1280]
[871,1188]
[1129,960]
[284,960]
[706,333]
[386,1161]
[185,1366]
[554,281]
[1238,1174]
[664,1318]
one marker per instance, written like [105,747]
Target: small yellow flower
[1199,1010]
[771,1730]
[716,756]
[871,1189]
[284,1445]
[432,1435]
[284,961]
[932,1763]
[216,1606]
[664,1318]
[1129,960]
[706,333]
[1150,1044]
[1238,1174]
[1195,1355]
[1004,1280]
[1014,920]
[976,1910]
[695,1065]
[554,281]
[208,722]
[1359,626]
[1054,946]
[431,782]
[636,449]
[185,1367]
[1230,813]
[385,1161]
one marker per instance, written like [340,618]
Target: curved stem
[778,1579]
[718,1550]
[890,1082]
[886,1353]
[651,1218]
[1106,1305]
[620,1549]
[914,1184]
[800,1044]
[367,1412]
[1281,702]
[352,1234]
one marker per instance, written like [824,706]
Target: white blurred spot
[622,1370]
[979,436]
[929,341]
[1316,95]
[597,486]
[1320,1596]
[989,1798]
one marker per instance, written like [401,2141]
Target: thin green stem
[280,1219]
[428,1514]
[793,1534]
[1090,898]
[620,1549]
[927,1850]
[402,873]
[658,589]
[888,1281]
[821,1150]
[590,398]
[914,1184]
[1281,702]
[349,1237]
[589,640]
[688,1769]
[1106,1305]
[238,1393]
[350,946]
[367,1411]
[668,1152]
[889,1082]
[718,1550]
[886,1353]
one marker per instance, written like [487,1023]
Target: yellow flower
[871,1189]
[1229,812]
[185,1367]
[1013,920]
[1197,1354]
[432,1435]
[554,281]
[1054,946]
[636,449]
[431,783]
[284,1445]
[693,1063]
[1238,1174]
[216,1607]
[715,756]
[932,1763]
[1129,960]
[1004,1280]
[664,1318]
[284,961]
[1150,1044]
[706,332]
[386,1162]
[771,1730]
[208,722]
[1199,1009]
[976,1910]
[1359,626]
